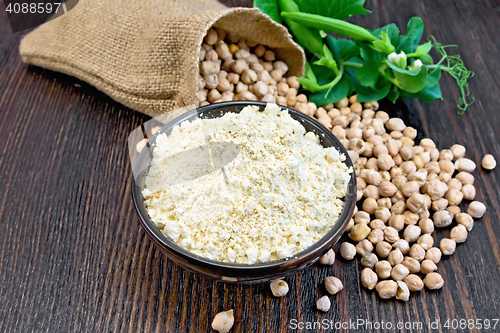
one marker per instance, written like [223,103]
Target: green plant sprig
[374,64]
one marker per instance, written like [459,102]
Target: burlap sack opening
[145,54]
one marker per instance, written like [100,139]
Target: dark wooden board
[73,257]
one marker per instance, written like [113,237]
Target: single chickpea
[384,202]
[406,152]
[402,245]
[458,234]
[390,234]
[383,214]
[239,66]
[398,197]
[399,207]
[425,241]
[447,246]
[416,202]
[427,266]
[399,272]
[383,269]
[439,204]
[328,258]
[370,205]
[427,226]
[465,220]
[458,151]
[444,177]
[411,264]
[279,287]
[387,289]
[376,235]
[465,164]
[211,81]
[410,132]
[269,55]
[417,252]
[433,281]
[383,249]
[414,282]
[333,285]
[488,162]
[323,304]
[369,260]
[412,233]
[465,178]
[395,257]
[259,51]
[347,251]
[442,218]
[371,191]
[469,192]
[433,254]
[385,162]
[223,321]
[395,124]
[476,209]
[373,177]
[364,247]
[368,278]
[397,222]
[377,224]
[409,188]
[454,183]
[454,196]
[411,218]
[268,98]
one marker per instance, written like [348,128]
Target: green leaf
[342,49]
[329,63]
[309,73]
[269,7]
[393,94]
[340,91]
[382,46]
[410,40]
[392,32]
[369,74]
[411,83]
[433,78]
[423,49]
[427,59]
[339,9]
[427,94]
[366,94]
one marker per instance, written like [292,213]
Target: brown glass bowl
[247,273]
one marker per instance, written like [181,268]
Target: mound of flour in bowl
[280,195]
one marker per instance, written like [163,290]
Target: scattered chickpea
[395,257]
[323,304]
[223,321]
[447,246]
[364,247]
[465,164]
[427,266]
[425,241]
[414,282]
[465,220]
[347,251]
[411,233]
[417,252]
[402,245]
[476,209]
[279,287]
[458,233]
[328,258]
[426,225]
[433,281]
[333,285]
[488,162]
[369,260]
[140,145]
[403,292]
[387,289]
[399,272]
[359,232]
[442,218]
[368,278]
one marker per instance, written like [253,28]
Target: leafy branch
[373,63]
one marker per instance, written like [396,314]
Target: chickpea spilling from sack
[237,69]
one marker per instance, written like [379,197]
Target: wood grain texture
[73,257]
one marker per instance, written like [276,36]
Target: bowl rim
[322,245]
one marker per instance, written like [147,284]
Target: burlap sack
[144,53]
